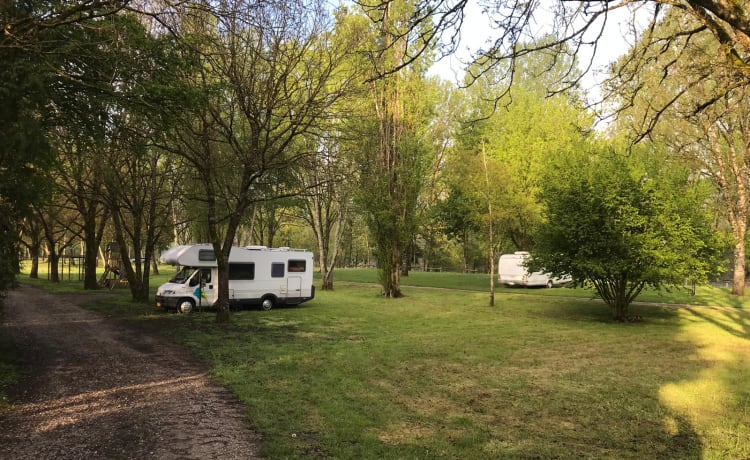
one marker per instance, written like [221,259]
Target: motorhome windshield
[182,276]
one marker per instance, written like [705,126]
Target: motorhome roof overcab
[258,276]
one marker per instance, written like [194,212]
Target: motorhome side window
[297,266]
[241,271]
[277,270]
[206,255]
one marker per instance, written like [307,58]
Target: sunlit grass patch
[716,399]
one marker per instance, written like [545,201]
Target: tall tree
[266,78]
[58,49]
[24,151]
[394,150]
[329,183]
[138,194]
[60,230]
[696,108]
[459,218]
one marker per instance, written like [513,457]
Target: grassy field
[440,374]
[704,295]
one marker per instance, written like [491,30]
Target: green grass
[704,295]
[440,374]
[443,375]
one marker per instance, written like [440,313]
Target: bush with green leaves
[622,220]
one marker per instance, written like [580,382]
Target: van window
[182,275]
[277,270]
[297,266]
[242,271]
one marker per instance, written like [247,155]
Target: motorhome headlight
[167,292]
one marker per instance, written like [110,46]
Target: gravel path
[95,389]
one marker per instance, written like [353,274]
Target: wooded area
[282,123]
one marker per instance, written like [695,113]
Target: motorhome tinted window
[277,270]
[241,271]
[297,266]
[206,255]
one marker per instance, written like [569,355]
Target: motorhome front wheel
[185,306]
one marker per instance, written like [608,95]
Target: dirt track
[95,389]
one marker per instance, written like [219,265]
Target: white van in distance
[258,276]
[511,272]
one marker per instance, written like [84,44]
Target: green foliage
[458,214]
[697,109]
[24,150]
[622,223]
[389,198]
[394,148]
[520,130]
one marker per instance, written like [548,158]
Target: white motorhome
[511,272]
[258,276]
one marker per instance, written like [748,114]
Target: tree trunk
[406,262]
[222,300]
[738,287]
[391,274]
[222,261]
[91,244]
[54,263]
[619,311]
[490,227]
[35,248]
[327,284]
[321,240]
[616,294]
[223,250]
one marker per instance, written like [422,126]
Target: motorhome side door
[296,268]
[294,287]
[205,287]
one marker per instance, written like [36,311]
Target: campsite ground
[441,374]
[96,388]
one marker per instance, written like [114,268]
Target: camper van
[258,276]
[511,272]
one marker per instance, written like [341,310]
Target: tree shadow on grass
[734,322]
[628,365]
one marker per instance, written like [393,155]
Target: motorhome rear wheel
[267,303]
